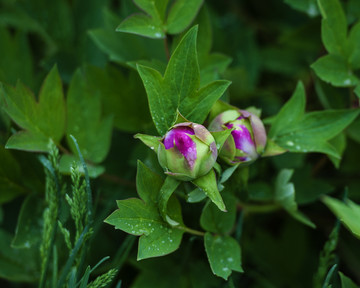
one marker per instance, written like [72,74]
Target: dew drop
[312,11]
[347,82]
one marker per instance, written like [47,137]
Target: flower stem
[191,231]
[167,51]
[251,208]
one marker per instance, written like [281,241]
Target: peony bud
[247,140]
[187,151]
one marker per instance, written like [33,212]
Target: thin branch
[190,231]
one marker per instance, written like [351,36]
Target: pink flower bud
[187,151]
[247,140]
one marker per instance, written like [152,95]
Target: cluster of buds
[188,150]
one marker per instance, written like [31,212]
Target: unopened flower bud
[187,151]
[247,140]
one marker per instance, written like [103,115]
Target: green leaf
[124,47]
[348,213]
[353,130]
[216,221]
[168,188]
[196,195]
[285,196]
[213,67]
[309,187]
[182,73]
[18,63]
[142,217]
[339,143]
[312,132]
[10,177]
[346,282]
[41,121]
[224,255]
[334,69]
[227,173]
[162,109]
[290,113]
[17,17]
[357,91]
[307,6]
[181,14]
[205,37]
[298,132]
[353,43]
[143,25]
[333,26]
[150,25]
[272,149]
[208,184]
[85,121]
[17,264]
[327,257]
[148,183]
[179,89]
[29,227]
[285,190]
[152,7]
[197,108]
[28,141]
[122,97]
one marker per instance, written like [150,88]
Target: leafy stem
[52,215]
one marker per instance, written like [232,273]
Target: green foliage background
[100,72]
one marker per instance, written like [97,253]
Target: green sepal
[152,142]
[180,118]
[208,184]
[220,137]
